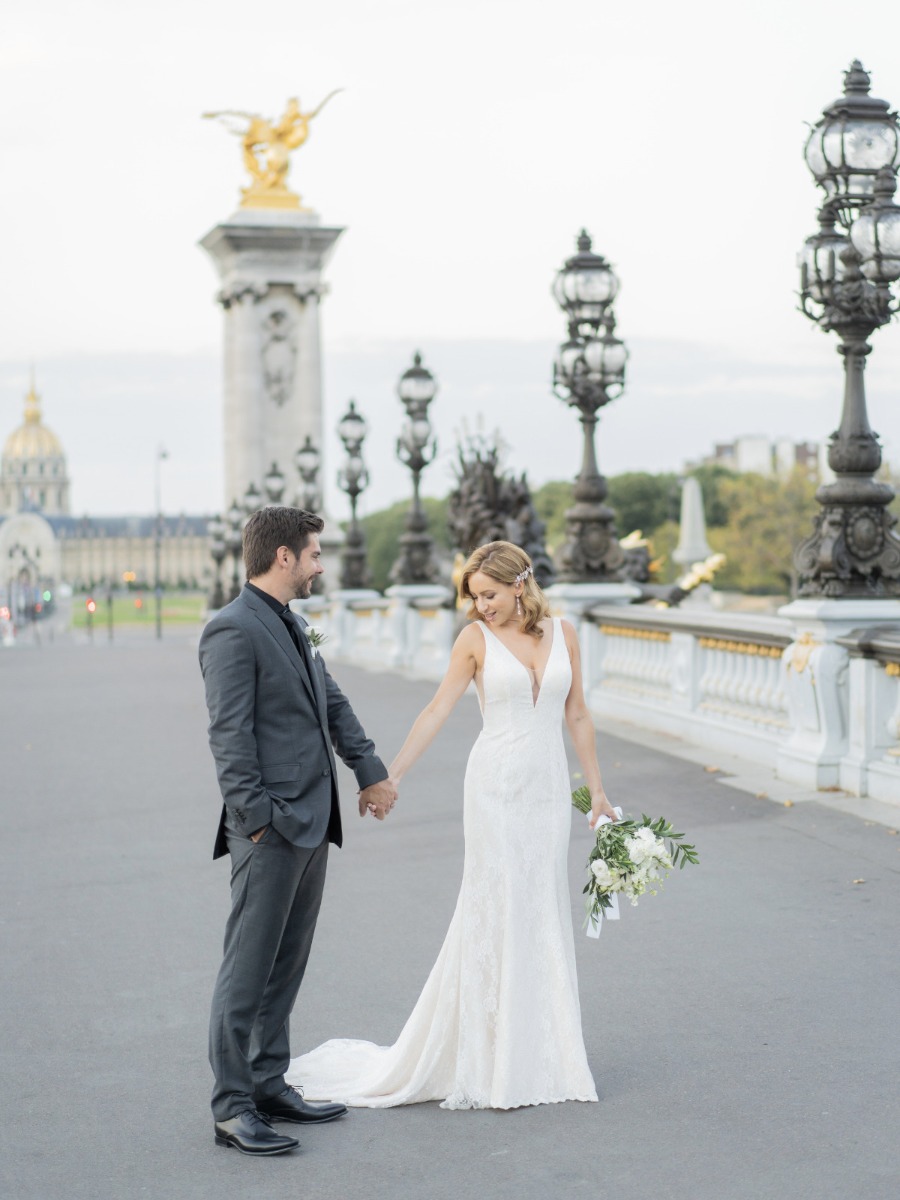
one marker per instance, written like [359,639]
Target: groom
[274,715]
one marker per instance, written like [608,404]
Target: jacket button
[327,771]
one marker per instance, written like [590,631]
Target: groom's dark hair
[274,526]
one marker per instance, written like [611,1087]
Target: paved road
[742,1026]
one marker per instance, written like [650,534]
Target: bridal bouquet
[629,857]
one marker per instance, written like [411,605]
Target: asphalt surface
[741,1026]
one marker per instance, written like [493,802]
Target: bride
[498,1024]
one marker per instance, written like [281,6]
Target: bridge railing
[710,678]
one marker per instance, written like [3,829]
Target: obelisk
[692,544]
[270,255]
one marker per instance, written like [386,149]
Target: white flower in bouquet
[601,872]
[643,845]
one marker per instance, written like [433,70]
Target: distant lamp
[307,460]
[589,372]
[274,484]
[416,448]
[353,479]
[252,499]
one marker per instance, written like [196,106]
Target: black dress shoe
[251,1133]
[289,1105]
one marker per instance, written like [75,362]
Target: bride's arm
[581,730]
[460,673]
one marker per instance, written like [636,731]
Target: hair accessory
[523,575]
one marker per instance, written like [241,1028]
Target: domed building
[33,476]
[42,544]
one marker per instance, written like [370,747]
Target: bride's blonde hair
[504,562]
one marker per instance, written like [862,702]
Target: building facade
[42,544]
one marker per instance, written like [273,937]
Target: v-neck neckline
[525,668]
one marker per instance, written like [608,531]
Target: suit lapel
[318,685]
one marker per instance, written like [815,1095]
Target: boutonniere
[315,637]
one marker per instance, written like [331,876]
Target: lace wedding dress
[498,1024]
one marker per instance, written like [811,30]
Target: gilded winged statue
[267,146]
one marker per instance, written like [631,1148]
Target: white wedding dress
[498,1024]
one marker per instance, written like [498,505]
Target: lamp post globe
[875,233]
[274,484]
[252,499]
[584,287]
[352,429]
[417,386]
[846,286]
[856,137]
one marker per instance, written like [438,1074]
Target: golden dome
[32,439]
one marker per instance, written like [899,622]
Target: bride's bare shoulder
[470,637]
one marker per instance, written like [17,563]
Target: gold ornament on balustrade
[628,631]
[753,648]
[266,147]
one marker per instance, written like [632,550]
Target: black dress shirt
[287,617]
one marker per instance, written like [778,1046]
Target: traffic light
[48,595]
[90,604]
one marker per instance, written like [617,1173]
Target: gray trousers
[276,891]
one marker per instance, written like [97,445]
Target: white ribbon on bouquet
[595,920]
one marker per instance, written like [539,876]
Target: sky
[471,143]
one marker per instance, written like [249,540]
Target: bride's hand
[601,807]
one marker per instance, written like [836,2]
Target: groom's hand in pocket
[254,837]
[378,799]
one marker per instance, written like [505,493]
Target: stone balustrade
[712,679]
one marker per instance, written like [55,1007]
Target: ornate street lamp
[234,543]
[416,448]
[847,271]
[217,531]
[307,460]
[353,479]
[589,371]
[274,484]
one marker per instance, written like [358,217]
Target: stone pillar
[571,601]
[817,685]
[270,263]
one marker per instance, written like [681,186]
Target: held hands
[601,807]
[378,799]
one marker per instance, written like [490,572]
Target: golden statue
[267,146]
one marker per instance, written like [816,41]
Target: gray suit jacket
[272,726]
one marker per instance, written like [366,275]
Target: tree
[550,504]
[767,518]
[642,501]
